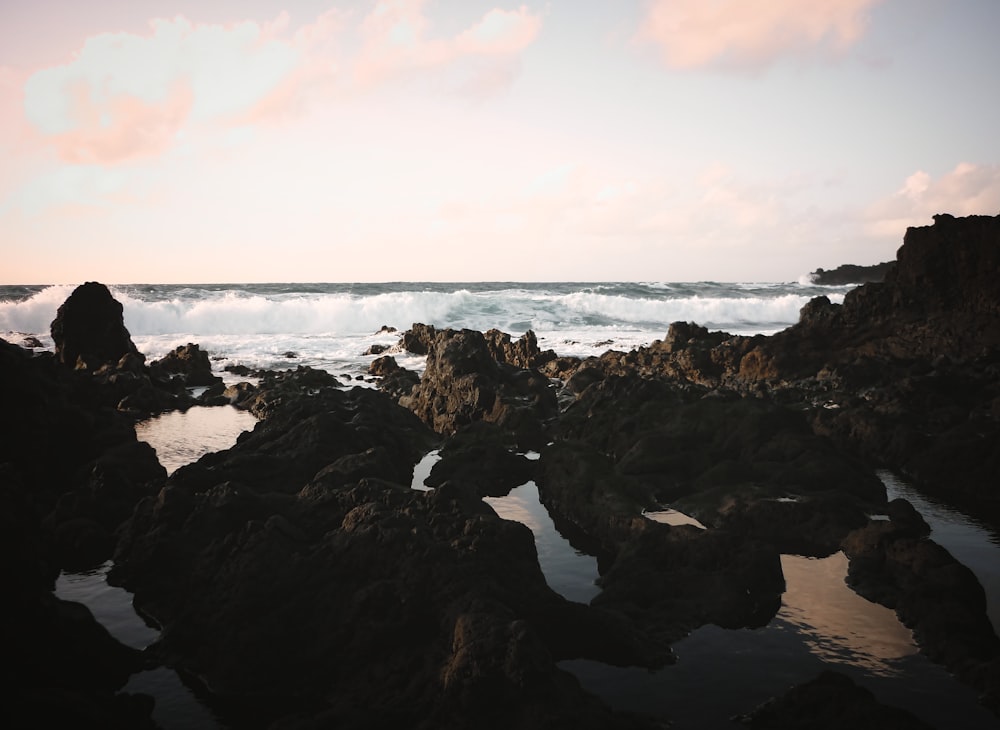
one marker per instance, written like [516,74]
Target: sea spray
[332,326]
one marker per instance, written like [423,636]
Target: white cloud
[751,33]
[126,96]
[969,189]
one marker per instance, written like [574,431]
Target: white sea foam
[708,311]
[235,313]
[33,315]
[331,325]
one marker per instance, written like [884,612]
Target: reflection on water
[672,517]
[176,708]
[837,625]
[568,571]
[183,437]
[423,469]
[822,624]
[972,543]
[111,606]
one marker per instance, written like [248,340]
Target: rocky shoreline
[297,574]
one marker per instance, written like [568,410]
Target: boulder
[831,701]
[463,383]
[89,329]
[522,353]
[395,380]
[479,457]
[418,339]
[189,362]
[941,600]
[308,424]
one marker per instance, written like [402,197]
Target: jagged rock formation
[850,274]
[89,329]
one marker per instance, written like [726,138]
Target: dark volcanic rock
[745,464]
[851,274]
[941,600]
[296,567]
[418,339]
[904,373]
[79,461]
[308,424]
[478,456]
[188,361]
[671,580]
[463,383]
[395,380]
[521,353]
[832,701]
[70,471]
[89,330]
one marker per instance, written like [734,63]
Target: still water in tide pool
[182,437]
[719,673]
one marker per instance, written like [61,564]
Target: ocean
[331,326]
[719,673]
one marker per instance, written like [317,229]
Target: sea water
[331,326]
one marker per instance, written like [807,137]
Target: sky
[178,141]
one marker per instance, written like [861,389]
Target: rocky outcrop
[299,566]
[480,457]
[521,353]
[90,336]
[71,471]
[79,461]
[395,380]
[309,424]
[751,470]
[89,329]
[418,339]
[831,701]
[744,464]
[189,362]
[894,564]
[463,383]
[850,274]
[903,373]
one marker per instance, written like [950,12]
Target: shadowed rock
[89,329]
[463,383]
[830,702]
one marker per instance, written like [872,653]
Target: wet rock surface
[463,382]
[830,702]
[71,470]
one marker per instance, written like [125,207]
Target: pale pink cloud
[969,189]
[126,96]
[500,32]
[751,33]
[22,148]
[125,127]
[396,39]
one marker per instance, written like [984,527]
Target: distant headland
[851,274]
